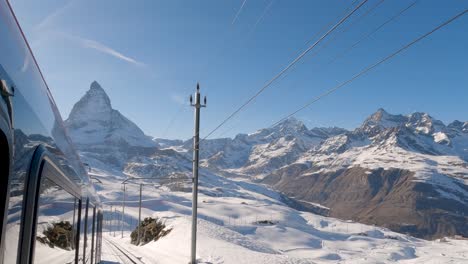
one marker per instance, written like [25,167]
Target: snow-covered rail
[123,254]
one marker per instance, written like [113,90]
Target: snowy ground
[227,232]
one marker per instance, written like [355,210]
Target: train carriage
[49,210]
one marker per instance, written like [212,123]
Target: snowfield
[229,232]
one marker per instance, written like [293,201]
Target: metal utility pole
[123,209]
[196,144]
[139,217]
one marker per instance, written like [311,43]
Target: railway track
[123,254]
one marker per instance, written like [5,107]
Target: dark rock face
[150,229]
[388,198]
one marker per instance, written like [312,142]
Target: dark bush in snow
[59,235]
[151,229]
[265,222]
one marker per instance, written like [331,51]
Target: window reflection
[98,235]
[82,233]
[89,234]
[56,225]
[23,153]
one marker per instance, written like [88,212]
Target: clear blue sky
[148,56]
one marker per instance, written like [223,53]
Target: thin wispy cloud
[102,48]
[92,44]
[50,19]
[46,27]
[238,12]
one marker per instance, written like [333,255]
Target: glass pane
[98,236]
[82,232]
[56,225]
[89,235]
[94,235]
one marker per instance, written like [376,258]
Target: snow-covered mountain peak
[423,123]
[325,132]
[94,105]
[381,120]
[459,126]
[290,125]
[382,116]
[96,88]
[94,121]
[418,122]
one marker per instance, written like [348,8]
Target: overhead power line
[285,70]
[343,30]
[172,120]
[265,11]
[238,12]
[374,31]
[331,22]
[367,69]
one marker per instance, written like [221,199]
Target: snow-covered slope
[229,230]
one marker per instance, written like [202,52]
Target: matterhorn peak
[95,104]
[96,87]
[94,121]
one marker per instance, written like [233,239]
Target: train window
[56,225]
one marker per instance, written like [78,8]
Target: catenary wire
[367,69]
[374,31]
[284,70]
[238,12]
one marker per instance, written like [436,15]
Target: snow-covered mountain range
[405,172]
